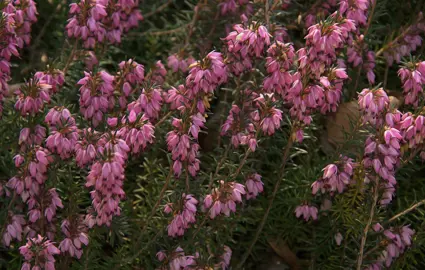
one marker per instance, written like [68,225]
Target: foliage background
[129,243]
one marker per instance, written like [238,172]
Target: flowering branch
[408,210]
[368,224]
[276,188]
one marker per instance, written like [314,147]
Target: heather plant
[139,134]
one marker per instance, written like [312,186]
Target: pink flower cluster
[240,123]
[32,96]
[184,214]
[335,176]
[16,19]
[137,132]
[13,228]
[107,178]
[373,104]
[205,76]
[399,239]
[223,200]
[383,158]
[149,102]
[408,42]
[86,22]
[158,73]
[29,137]
[63,132]
[75,232]
[359,56]
[413,79]
[322,43]
[38,254]
[355,10]
[267,115]
[254,186]
[225,258]
[85,148]
[184,149]
[245,43]
[306,211]
[280,57]
[177,63]
[177,260]
[53,77]
[130,75]
[95,21]
[123,15]
[32,172]
[323,9]
[96,96]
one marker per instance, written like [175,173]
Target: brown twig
[161,194]
[410,209]
[368,224]
[163,119]
[266,214]
[159,9]
[369,21]
[266,13]
[70,57]
[192,24]
[391,43]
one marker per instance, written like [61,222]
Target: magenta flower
[254,186]
[13,229]
[63,132]
[413,78]
[149,102]
[279,60]
[85,150]
[158,73]
[75,232]
[137,132]
[53,77]
[184,214]
[335,176]
[177,259]
[40,252]
[96,96]
[373,103]
[306,211]
[32,96]
[223,200]
[86,22]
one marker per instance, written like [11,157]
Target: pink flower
[184,215]
[306,211]
[373,104]
[223,200]
[41,251]
[96,96]
[32,96]
[75,232]
[13,229]
[225,258]
[137,132]
[107,177]
[413,78]
[158,73]
[63,132]
[254,186]
[149,102]
[335,176]
[279,60]
[177,63]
